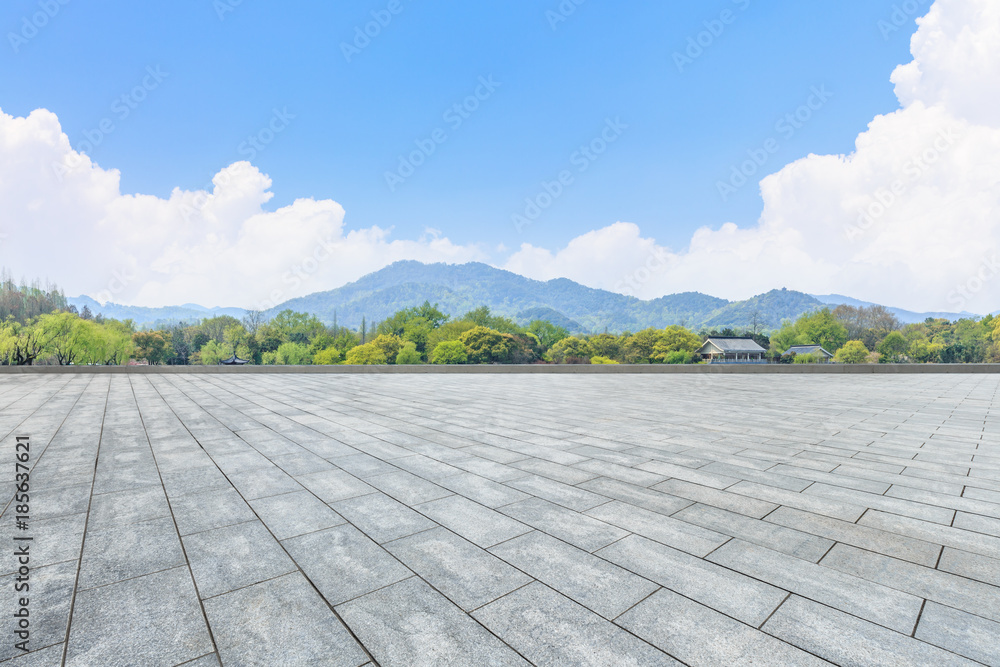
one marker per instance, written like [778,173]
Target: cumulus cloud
[910,218]
[65,218]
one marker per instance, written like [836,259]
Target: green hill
[460,288]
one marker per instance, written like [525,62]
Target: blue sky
[557,86]
[235,152]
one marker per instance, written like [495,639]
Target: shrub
[449,352]
[408,355]
[602,360]
[292,354]
[853,352]
[327,357]
[368,354]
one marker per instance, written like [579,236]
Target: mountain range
[459,288]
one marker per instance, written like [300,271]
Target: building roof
[727,344]
[807,349]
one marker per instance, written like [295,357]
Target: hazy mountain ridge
[458,288]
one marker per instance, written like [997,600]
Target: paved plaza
[480,520]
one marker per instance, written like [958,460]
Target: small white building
[724,349]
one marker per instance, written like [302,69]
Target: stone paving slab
[505,519]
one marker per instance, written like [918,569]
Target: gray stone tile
[466,574]
[873,602]
[556,471]
[847,640]
[225,559]
[333,485]
[55,540]
[49,594]
[343,563]
[658,502]
[666,530]
[481,490]
[595,583]
[786,540]
[897,546]
[480,525]
[263,482]
[695,476]
[211,660]
[113,510]
[885,503]
[381,518]
[809,503]
[194,480]
[977,524]
[971,566]
[924,582]
[294,514]
[961,633]
[213,509]
[732,502]
[407,488]
[409,623]
[280,622]
[561,494]
[550,629]
[729,592]
[621,473]
[151,620]
[698,635]
[46,657]
[578,529]
[964,540]
[363,466]
[129,551]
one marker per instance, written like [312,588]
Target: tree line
[39,327]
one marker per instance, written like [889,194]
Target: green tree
[297,327]
[606,345]
[449,352]
[368,354]
[211,353]
[852,352]
[571,350]
[293,354]
[639,347]
[893,346]
[448,331]
[486,346]
[20,344]
[548,334]
[408,355]
[151,346]
[390,345]
[63,333]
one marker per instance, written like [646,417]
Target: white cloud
[910,218]
[65,218]
[832,223]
